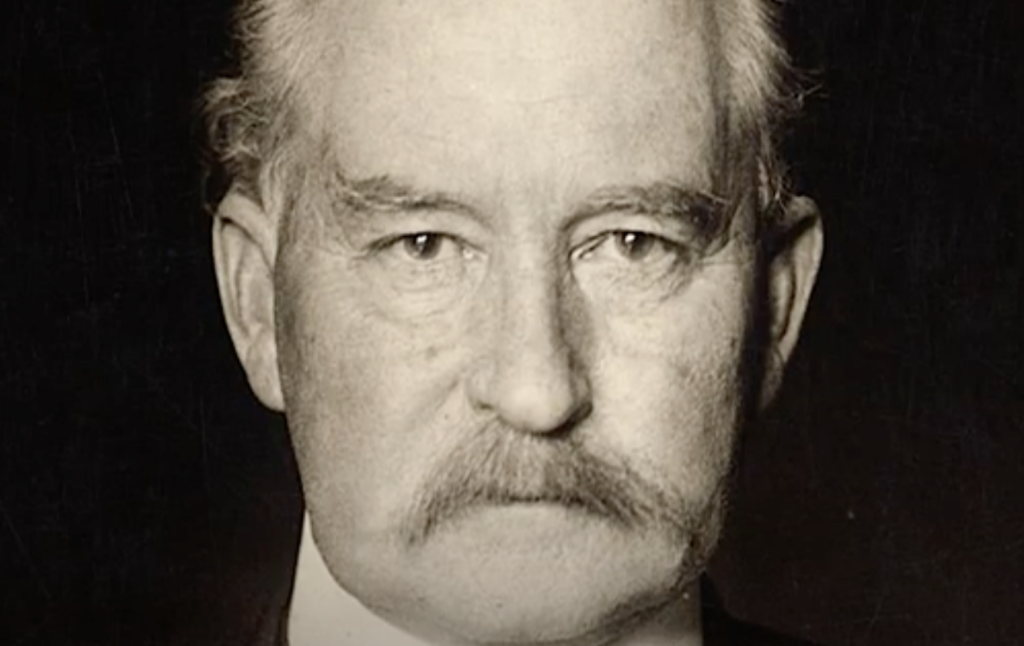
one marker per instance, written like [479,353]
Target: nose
[532,376]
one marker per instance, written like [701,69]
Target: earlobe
[244,249]
[792,266]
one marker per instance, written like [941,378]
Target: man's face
[512,327]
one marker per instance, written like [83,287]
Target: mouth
[512,498]
[537,499]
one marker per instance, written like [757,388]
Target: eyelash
[595,242]
[580,252]
[392,242]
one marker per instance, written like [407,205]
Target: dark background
[145,498]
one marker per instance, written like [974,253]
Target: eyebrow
[700,210]
[386,194]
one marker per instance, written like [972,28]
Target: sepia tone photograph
[511,322]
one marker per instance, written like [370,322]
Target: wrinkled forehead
[540,49]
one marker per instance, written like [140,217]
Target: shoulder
[269,624]
[722,630]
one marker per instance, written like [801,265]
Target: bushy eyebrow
[386,194]
[704,213]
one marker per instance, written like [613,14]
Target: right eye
[424,247]
[425,262]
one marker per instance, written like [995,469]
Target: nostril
[581,413]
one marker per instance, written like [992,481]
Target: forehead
[540,82]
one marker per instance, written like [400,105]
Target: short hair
[252,120]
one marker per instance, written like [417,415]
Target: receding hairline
[283,46]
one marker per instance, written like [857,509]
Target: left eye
[423,246]
[633,246]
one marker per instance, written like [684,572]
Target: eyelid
[698,238]
[378,232]
[393,239]
[592,243]
[390,242]
[606,224]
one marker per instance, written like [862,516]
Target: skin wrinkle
[757,96]
[703,214]
[378,195]
[336,185]
[709,216]
[430,412]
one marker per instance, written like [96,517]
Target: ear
[792,267]
[244,249]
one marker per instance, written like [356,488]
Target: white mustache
[501,466]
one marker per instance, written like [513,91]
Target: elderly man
[517,273]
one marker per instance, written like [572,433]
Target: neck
[323,613]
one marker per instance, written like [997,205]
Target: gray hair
[252,119]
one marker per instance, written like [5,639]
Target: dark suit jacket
[719,628]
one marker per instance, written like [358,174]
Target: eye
[630,245]
[424,262]
[635,245]
[423,246]
[625,266]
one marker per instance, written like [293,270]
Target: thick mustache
[501,466]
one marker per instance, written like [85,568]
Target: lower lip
[524,529]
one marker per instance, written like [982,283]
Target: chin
[528,577]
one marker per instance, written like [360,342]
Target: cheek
[366,396]
[670,384]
